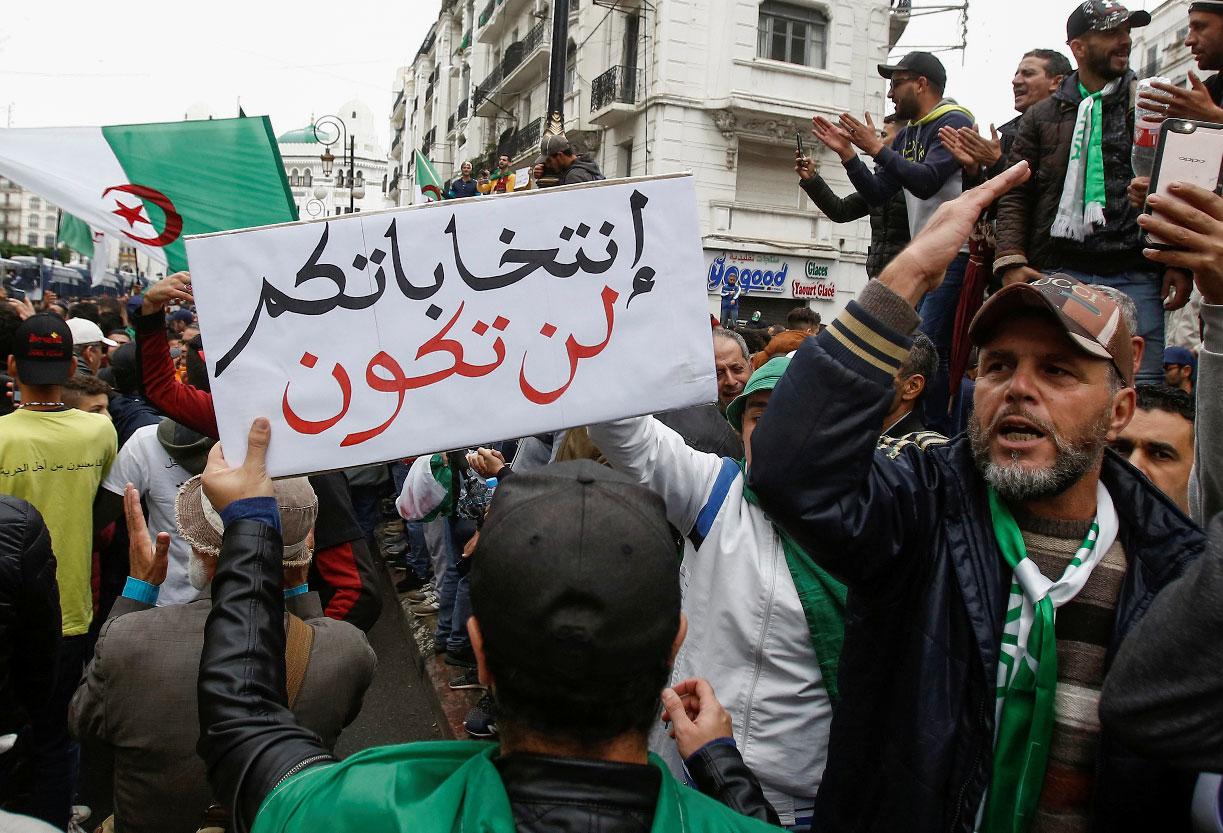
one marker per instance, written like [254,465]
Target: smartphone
[799,138]
[1188,151]
[15,294]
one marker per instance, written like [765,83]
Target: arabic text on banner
[374,337]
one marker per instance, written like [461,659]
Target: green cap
[765,378]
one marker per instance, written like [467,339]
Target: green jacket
[426,787]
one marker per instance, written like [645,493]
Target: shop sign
[754,271]
[819,290]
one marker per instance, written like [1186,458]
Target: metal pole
[556,68]
[352,159]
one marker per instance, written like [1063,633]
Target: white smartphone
[1188,151]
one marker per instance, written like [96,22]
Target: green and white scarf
[1081,208]
[1027,665]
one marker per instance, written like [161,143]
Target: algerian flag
[150,184]
[428,186]
[77,235]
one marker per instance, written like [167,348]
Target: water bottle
[1146,128]
[490,486]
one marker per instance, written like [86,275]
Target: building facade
[720,89]
[1159,49]
[25,217]
[319,192]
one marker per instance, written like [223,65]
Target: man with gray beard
[991,579]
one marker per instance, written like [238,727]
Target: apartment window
[626,159]
[571,67]
[35,221]
[35,203]
[794,34]
[31,239]
[49,241]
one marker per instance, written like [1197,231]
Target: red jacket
[343,569]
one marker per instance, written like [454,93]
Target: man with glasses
[918,163]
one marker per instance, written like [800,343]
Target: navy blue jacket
[911,744]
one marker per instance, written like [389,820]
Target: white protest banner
[372,337]
[522,178]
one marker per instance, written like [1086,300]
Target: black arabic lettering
[411,291]
[637,202]
[643,282]
[277,303]
[531,259]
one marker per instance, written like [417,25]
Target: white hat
[85,331]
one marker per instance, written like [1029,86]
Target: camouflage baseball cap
[1101,16]
[1090,318]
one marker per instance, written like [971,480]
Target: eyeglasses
[897,80]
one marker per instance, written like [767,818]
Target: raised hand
[920,267]
[863,135]
[987,152]
[148,561]
[804,166]
[832,137]
[176,287]
[957,148]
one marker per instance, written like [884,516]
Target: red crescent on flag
[432,189]
[174,221]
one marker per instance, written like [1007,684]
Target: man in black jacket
[33,777]
[952,663]
[576,621]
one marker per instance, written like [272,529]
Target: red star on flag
[132,213]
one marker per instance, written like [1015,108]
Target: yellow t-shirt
[56,460]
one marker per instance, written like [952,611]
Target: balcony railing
[428,142]
[463,107]
[518,51]
[524,139]
[450,123]
[487,87]
[397,142]
[619,85]
[429,92]
[487,12]
[398,100]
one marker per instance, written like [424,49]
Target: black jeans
[39,778]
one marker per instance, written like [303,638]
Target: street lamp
[327,131]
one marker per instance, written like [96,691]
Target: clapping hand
[148,562]
[833,137]
[864,136]
[486,462]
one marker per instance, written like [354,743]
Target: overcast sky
[83,62]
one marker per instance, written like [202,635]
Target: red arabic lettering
[307,426]
[575,351]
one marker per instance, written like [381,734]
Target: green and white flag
[150,184]
[428,185]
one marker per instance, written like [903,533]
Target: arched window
[35,221]
[571,67]
[293,178]
[360,178]
[35,203]
[308,178]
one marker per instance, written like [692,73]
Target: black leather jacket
[29,615]
[911,745]
[250,741]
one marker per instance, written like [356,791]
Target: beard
[1017,483]
[1100,62]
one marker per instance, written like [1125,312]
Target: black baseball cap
[576,575]
[42,348]
[1101,16]
[918,63]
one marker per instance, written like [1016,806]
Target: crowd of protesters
[947,562]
